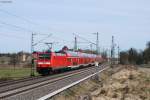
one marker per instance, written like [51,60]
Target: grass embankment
[11,73]
[129,83]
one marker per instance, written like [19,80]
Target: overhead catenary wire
[15,26]
[21,28]
[67,41]
[33,23]
[27,30]
[12,36]
[22,18]
[42,40]
[84,39]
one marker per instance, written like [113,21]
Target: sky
[127,20]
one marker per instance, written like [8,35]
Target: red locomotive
[49,61]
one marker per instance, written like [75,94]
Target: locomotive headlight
[46,62]
[40,63]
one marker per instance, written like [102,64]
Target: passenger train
[48,62]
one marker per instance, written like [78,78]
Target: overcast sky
[127,20]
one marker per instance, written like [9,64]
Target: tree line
[12,58]
[134,56]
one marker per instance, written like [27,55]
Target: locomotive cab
[44,62]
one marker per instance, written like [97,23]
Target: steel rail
[10,82]
[14,91]
[48,96]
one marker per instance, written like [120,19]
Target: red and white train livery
[49,61]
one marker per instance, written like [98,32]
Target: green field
[145,65]
[11,73]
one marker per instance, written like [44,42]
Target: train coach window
[60,54]
[69,59]
[44,56]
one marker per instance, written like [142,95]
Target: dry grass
[129,83]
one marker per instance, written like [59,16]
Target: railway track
[30,84]
[10,82]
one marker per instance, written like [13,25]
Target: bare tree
[133,55]
[14,60]
[124,57]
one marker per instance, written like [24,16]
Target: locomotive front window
[44,56]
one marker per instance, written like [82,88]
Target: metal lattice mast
[112,51]
[75,44]
[97,43]
[118,54]
[32,50]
